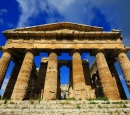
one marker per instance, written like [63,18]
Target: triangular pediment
[60,27]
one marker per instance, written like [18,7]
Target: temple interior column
[79,86]
[125,67]
[90,93]
[41,78]
[58,83]
[31,90]
[117,80]
[98,87]
[107,82]
[51,79]
[95,79]
[70,89]
[4,63]
[12,79]
[22,82]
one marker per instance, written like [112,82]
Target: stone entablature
[62,36]
[25,43]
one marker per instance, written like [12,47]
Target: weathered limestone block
[108,85]
[12,80]
[4,63]
[51,79]
[21,85]
[117,80]
[125,67]
[79,86]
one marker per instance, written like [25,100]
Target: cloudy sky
[110,14]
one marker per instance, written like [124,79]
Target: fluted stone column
[70,90]
[4,63]
[90,93]
[58,84]
[117,80]
[12,79]
[87,73]
[98,88]
[108,85]
[79,86]
[41,78]
[125,67]
[29,89]
[51,79]
[21,85]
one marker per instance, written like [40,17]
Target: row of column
[51,87]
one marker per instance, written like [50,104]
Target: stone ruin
[101,79]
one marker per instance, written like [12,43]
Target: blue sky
[111,14]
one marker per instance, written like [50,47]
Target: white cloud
[2,11]
[1,21]
[29,9]
[11,25]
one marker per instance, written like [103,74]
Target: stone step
[64,111]
[65,107]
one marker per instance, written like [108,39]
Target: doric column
[79,86]
[108,85]
[87,73]
[21,85]
[98,86]
[58,84]
[125,67]
[117,80]
[51,79]
[90,93]
[12,79]
[41,78]
[4,62]
[70,89]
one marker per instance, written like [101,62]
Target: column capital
[3,49]
[75,50]
[116,52]
[95,51]
[34,52]
[54,50]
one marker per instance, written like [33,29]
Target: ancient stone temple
[101,79]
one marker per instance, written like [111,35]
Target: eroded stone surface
[90,93]
[4,62]
[107,82]
[41,78]
[12,80]
[79,86]
[125,67]
[22,82]
[51,79]
[117,80]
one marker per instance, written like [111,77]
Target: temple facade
[100,79]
